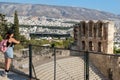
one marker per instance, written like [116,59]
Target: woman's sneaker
[4,74]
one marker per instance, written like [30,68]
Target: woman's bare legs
[7,63]
[7,66]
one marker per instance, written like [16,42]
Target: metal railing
[88,57]
[69,64]
[55,56]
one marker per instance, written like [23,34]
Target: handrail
[86,59]
[92,52]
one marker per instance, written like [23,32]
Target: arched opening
[105,31]
[95,31]
[83,45]
[99,47]
[80,31]
[100,24]
[90,46]
[110,74]
[75,34]
[90,28]
[83,25]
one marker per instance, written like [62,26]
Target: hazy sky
[112,6]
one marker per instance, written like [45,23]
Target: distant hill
[54,11]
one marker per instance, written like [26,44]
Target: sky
[112,6]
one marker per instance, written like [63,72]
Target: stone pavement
[12,76]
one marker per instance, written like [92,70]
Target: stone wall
[98,36]
[94,36]
[108,65]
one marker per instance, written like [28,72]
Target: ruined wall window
[75,34]
[90,46]
[83,45]
[95,32]
[100,30]
[83,28]
[80,30]
[105,31]
[99,47]
[76,28]
[90,28]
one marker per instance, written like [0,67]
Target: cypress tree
[16,26]
[3,25]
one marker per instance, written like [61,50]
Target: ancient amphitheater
[71,68]
[67,68]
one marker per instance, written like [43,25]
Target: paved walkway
[12,76]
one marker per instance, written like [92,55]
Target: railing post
[87,65]
[86,59]
[30,61]
[54,53]
[84,65]
[54,63]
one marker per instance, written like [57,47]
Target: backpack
[3,45]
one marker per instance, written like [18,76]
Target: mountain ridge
[54,11]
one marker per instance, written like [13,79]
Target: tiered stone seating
[71,68]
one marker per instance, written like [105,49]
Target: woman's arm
[15,41]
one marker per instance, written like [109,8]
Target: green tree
[116,50]
[3,25]
[15,27]
[68,42]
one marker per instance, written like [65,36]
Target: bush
[116,51]
[18,47]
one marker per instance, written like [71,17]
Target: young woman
[9,53]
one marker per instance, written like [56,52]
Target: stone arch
[83,28]
[80,31]
[110,74]
[100,26]
[99,47]
[75,32]
[83,45]
[90,46]
[105,30]
[95,30]
[90,28]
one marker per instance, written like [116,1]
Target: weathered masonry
[94,36]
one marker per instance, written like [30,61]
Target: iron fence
[70,64]
[51,63]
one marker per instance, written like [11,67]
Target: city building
[95,36]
